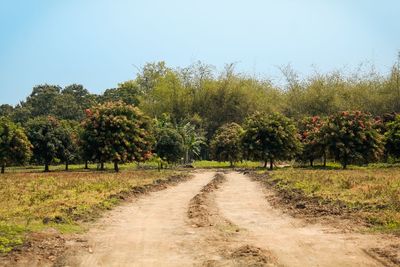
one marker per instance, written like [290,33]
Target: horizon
[104,41]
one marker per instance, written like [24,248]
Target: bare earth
[238,228]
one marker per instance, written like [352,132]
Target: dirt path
[293,242]
[216,220]
[149,232]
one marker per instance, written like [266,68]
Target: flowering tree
[116,132]
[311,137]
[352,138]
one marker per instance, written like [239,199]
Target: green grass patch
[205,164]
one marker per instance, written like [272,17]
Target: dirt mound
[252,256]
[198,211]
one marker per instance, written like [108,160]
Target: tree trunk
[324,158]
[86,165]
[271,164]
[102,166]
[116,168]
[3,168]
[187,157]
[265,164]
[46,167]
[231,164]
[66,165]
[311,162]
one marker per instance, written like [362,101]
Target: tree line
[120,133]
[185,113]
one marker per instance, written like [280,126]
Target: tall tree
[69,151]
[15,147]
[270,137]
[46,136]
[42,99]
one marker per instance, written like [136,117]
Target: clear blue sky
[96,42]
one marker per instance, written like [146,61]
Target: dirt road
[149,232]
[243,229]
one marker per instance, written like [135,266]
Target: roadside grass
[81,167]
[35,201]
[373,190]
[204,164]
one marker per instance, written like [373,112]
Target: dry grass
[374,192]
[34,201]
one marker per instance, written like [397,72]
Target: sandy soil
[214,220]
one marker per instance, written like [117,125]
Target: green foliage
[270,137]
[193,141]
[51,100]
[116,132]
[392,138]
[169,145]
[311,138]
[47,138]
[15,147]
[226,144]
[127,92]
[10,237]
[352,138]
[6,110]
[69,150]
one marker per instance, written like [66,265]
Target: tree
[15,147]
[69,150]
[392,138]
[6,110]
[42,99]
[169,145]
[46,136]
[116,132]
[192,141]
[126,92]
[352,138]
[313,144]
[270,137]
[226,144]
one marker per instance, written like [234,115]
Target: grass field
[373,190]
[33,201]
[215,164]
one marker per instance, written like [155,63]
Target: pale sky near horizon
[97,42]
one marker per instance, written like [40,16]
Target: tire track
[223,242]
